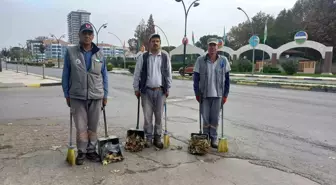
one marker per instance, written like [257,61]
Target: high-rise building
[75,20]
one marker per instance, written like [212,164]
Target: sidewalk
[9,78]
[37,156]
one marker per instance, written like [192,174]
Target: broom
[223,144]
[71,151]
[166,141]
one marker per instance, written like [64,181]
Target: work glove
[224,99]
[104,102]
[137,94]
[67,101]
[198,98]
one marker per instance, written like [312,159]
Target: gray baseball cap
[212,41]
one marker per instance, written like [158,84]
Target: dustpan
[109,148]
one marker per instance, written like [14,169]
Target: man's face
[155,44]
[212,48]
[86,37]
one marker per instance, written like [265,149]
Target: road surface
[293,131]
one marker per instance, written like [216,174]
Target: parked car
[189,69]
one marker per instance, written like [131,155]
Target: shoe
[93,156]
[80,158]
[214,144]
[148,143]
[158,143]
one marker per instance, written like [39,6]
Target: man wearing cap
[152,81]
[85,87]
[210,90]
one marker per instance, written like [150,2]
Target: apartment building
[107,49]
[75,20]
[33,47]
[55,49]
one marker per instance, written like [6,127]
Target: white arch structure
[190,49]
[308,44]
[269,50]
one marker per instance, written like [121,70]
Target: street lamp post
[248,18]
[97,32]
[21,58]
[195,3]
[164,35]
[122,45]
[58,43]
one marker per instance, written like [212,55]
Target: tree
[139,37]
[202,43]
[239,35]
[42,49]
[5,52]
[133,43]
[150,29]
[142,34]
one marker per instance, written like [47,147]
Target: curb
[286,77]
[316,88]
[302,87]
[122,73]
[38,85]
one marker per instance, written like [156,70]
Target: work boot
[157,142]
[80,158]
[148,143]
[93,156]
[214,143]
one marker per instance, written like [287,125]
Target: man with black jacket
[152,81]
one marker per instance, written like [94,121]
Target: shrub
[176,67]
[131,69]
[241,65]
[109,67]
[290,66]
[49,64]
[270,69]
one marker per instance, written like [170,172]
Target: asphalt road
[290,130]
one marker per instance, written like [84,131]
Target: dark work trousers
[86,114]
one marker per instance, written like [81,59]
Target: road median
[278,84]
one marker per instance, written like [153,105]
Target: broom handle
[222,120]
[165,107]
[105,124]
[70,142]
[200,117]
[222,100]
[137,126]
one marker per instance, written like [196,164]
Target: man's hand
[137,94]
[104,102]
[167,94]
[224,100]
[198,98]
[68,101]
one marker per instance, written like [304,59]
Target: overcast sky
[27,19]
